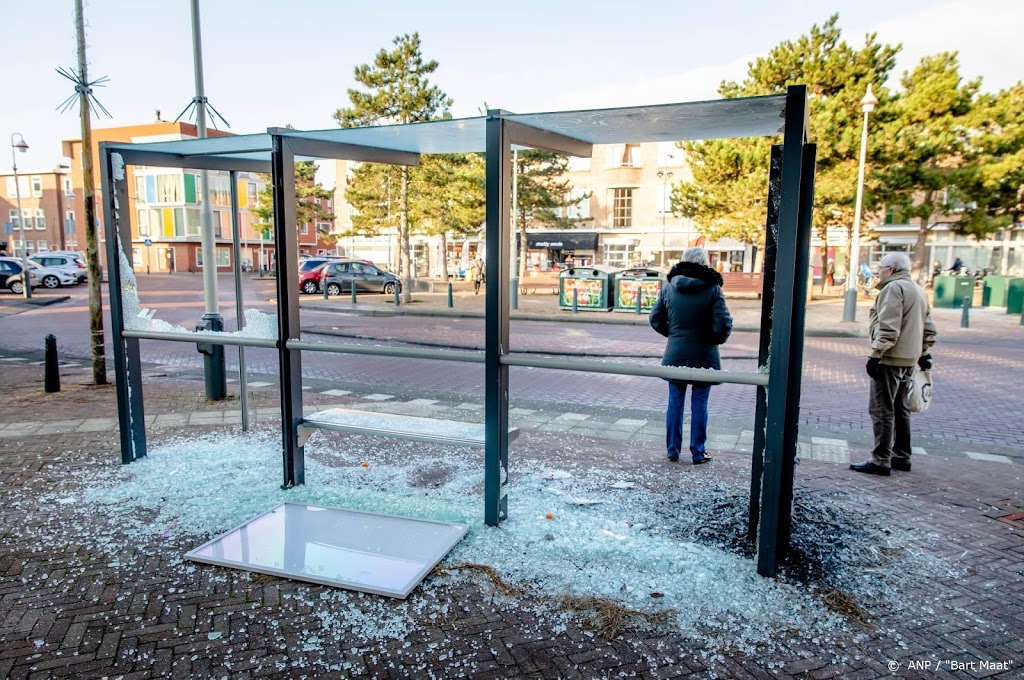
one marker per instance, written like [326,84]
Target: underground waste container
[593,285]
[993,293]
[950,291]
[643,281]
[1014,296]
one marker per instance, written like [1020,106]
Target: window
[140,189]
[12,188]
[42,246]
[168,189]
[26,218]
[220,191]
[579,164]
[323,227]
[253,195]
[37,186]
[143,221]
[631,156]
[223,257]
[622,207]
[23,185]
[193,222]
[15,220]
[665,199]
[69,190]
[619,254]
[218,222]
[894,215]
[304,229]
[40,219]
[579,206]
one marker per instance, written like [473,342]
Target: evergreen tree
[398,90]
[925,146]
[730,187]
[453,202]
[542,191]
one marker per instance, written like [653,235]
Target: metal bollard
[323,288]
[639,296]
[51,379]
[965,321]
[353,293]
[514,300]
[575,300]
[451,298]
[397,300]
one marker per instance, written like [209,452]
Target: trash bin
[950,291]
[1014,296]
[594,285]
[993,294]
[647,281]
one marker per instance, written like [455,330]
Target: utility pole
[99,361]
[216,382]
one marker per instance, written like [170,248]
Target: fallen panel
[364,551]
[412,428]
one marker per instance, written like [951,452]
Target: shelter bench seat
[394,426]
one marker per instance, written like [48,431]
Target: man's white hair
[898,261]
[696,255]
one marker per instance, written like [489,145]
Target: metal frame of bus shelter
[791,189]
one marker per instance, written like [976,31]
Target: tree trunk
[404,247]
[824,261]
[522,251]
[920,262]
[444,256]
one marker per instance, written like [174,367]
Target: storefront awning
[563,240]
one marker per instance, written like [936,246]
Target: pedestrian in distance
[901,333]
[691,312]
[478,276]
[830,273]
[958,264]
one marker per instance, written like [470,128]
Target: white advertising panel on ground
[364,551]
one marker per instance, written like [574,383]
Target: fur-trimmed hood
[692,277]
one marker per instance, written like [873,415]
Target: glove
[925,362]
[874,368]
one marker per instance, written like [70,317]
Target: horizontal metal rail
[669,372]
[401,353]
[208,338]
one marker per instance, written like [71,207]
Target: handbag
[920,390]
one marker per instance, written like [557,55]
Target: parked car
[309,281]
[52,277]
[68,261]
[311,263]
[11,278]
[365,276]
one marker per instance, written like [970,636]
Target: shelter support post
[127,361]
[498,274]
[236,257]
[781,345]
[767,300]
[287,264]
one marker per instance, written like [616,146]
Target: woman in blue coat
[692,314]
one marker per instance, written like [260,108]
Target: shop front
[556,249]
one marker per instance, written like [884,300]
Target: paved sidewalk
[86,599]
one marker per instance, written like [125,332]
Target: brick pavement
[69,609]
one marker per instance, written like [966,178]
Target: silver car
[68,262]
[51,277]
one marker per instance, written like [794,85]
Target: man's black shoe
[870,468]
[901,465]
[705,459]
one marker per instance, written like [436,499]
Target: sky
[270,63]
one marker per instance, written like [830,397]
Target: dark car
[366,277]
[311,263]
[11,278]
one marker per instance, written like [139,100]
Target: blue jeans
[698,420]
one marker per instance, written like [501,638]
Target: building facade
[47,212]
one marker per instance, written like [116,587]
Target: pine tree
[398,90]
[542,191]
[309,195]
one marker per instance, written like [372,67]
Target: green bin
[594,286]
[993,294]
[1014,296]
[647,281]
[950,291]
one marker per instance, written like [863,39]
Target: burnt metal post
[287,264]
[779,374]
[236,254]
[767,301]
[498,174]
[51,373]
[127,361]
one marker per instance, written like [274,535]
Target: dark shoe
[901,465]
[872,469]
[705,459]
[673,459]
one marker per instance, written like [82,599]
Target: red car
[309,281]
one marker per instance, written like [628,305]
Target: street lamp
[665,177]
[22,146]
[867,105]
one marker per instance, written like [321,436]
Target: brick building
[47,206]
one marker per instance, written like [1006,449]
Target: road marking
[918,450]
[379,397]
[260,384]
[631,422]
[572,416]
[422,402]
[988,456]
[336,393]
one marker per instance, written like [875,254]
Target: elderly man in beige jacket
[902,334]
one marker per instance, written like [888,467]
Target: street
[978,370]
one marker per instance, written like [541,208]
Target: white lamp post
[867,105]
[665,177]
[22,146]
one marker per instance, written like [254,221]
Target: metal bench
[412,428]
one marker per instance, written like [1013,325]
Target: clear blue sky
[270,62]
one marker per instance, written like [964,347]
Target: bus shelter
[496,134]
